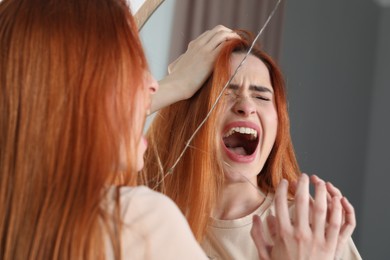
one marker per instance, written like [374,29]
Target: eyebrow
[253,88]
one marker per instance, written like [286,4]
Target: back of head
[71,73]
[197,179]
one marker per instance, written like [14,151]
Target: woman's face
[141,110]
[250,121]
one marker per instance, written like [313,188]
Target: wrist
[178,87]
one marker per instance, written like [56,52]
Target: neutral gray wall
[336,61]
[375,227]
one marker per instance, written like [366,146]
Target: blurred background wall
[336,59]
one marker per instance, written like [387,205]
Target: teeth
[242,130]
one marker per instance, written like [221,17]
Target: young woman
[74,94]
[236,160]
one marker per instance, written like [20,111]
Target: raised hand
[188,72]
[349,220]
[319,234]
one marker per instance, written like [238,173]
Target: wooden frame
[145,11]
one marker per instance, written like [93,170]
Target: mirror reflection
[335,65]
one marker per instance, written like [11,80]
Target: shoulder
[146,202]
[150,218]
[141,195]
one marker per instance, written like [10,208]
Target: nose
[153,87]
[151,84]
[244,106]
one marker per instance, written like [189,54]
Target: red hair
[197,179]
[71,76]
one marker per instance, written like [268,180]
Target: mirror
[335,58]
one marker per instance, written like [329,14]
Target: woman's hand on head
[188,72]
[321,228]
[196,64]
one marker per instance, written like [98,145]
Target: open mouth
[242,141]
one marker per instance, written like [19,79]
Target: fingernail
[315,176]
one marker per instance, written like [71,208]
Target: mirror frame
[145,11]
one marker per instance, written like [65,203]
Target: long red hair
[71,73]
[195,182]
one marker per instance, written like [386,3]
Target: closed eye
[263,98]
[261,92]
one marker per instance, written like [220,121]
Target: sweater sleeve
[351,252]
[154,227]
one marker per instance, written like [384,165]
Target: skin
[150,88]
[188,72]
[319,232]
[249,103]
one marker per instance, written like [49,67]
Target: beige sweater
[230,239]
[154,228]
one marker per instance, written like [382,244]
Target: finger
[350,219]
[333,190]
[221,37]
[257,234]
[281,208]
[302,203]
[217,29]
[315,179]
[311,210]
[346,229]
[319,210]
[272,226]
[217,49]
[200,39]
[205,37]
[334,224]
